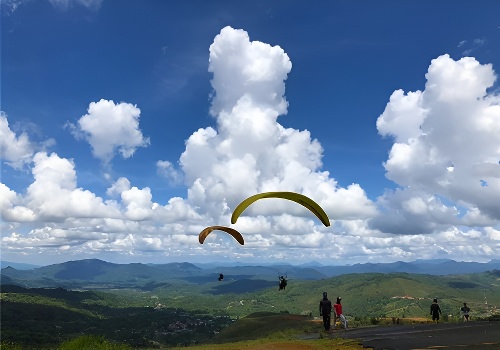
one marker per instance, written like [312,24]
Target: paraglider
[231,231]
[221,277]
[283,282]
[292,196]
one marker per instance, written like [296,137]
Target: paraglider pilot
[325,310]
[283,283]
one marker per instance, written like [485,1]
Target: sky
[127,127]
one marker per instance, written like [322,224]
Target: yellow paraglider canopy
[231,231]
[292,196]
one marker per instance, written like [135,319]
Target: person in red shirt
[337,307]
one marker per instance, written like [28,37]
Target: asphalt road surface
[446,336]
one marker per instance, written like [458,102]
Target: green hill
[396,294]
[264,324]
[180,312]
[363,295]
[43,318]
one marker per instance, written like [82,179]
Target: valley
[171,305]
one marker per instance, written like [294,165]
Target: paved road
[446,336]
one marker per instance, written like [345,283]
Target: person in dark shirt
[325,310]
[435,311]
[465,312]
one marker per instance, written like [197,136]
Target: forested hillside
[182,312]
[46,317]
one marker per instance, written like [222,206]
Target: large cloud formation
[446,155]
[444,159]
[250,152]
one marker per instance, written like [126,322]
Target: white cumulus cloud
[446,154]
[15,150]
[111,128]
[250,152]
[445,160]
[169,171]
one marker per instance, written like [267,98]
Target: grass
[280,331]
[90,342]
[10,346]
[262,325]
[370,299]
[291,344]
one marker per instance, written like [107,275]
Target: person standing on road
[465,312]
[325,310]
[435,311]
[339,314]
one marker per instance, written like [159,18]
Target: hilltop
[249,289]
[177,310]
[99,274]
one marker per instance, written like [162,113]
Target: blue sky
[127,127]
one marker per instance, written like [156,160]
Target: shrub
[10,346]
[92,342]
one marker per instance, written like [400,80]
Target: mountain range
[99,274]
[148,304]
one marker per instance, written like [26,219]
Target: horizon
[128,128]
[310,264]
